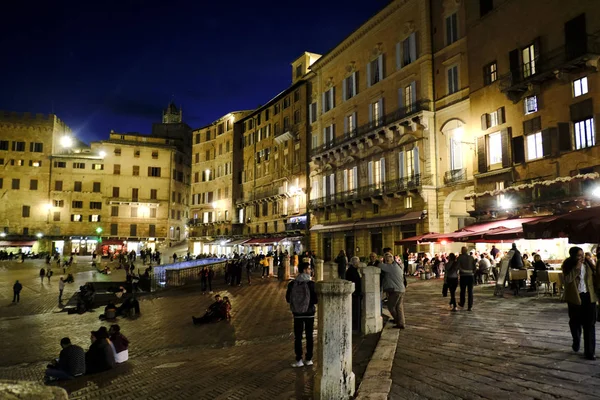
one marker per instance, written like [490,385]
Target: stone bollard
[330,270]
[270,261]
[371,320]
[319,270]
[334,378]
[31,391]
[286,268]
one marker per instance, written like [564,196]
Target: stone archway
[455,208]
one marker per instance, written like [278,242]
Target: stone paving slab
[506,348]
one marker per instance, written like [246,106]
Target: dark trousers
[16,296]
[210,284]
[305,325]
[356,311]
[342,272]
[60,292]
[203,284]
[265,271]
[466,283]
[583,316]
[452,285]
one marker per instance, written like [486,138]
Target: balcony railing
[380,189]
[455,175]
[548,63]
[400,113]
[262,193]
[298,226]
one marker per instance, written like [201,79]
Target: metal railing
[455,175]
[545,65]
[179,274]
[398,114]
[393,186]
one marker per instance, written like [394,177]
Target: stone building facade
[534,106]
[212,210]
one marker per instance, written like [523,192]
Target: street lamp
[506,204]
[39,235]
[102,154]
[66,141]
[2,234]
[98,230]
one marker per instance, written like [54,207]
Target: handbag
[445,290]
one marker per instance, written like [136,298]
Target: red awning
[106,242]
[262,241]
[580,226]
[476,232]
[504,234]
[414,239]
[17,243]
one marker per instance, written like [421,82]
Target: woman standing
[581,298]
[451,278]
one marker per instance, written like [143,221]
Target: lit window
[493,119]
[408,202]
[94,218]
[490,73]
[410,164]
[529,61]
[531,105]
[580,87]
[584,134]
[495,148]
[534,146]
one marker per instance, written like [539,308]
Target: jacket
[353,275]
[120,342]
[466,265]
[313,296]
[572,273]
[393,280]
[99,357]
[72,360]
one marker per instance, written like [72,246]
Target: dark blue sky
[102,65]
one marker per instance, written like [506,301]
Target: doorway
[349,246]
[327,248]
[377,243]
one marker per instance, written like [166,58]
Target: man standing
[17,287]
[581,299]
[302,297]
[466,266]
[61,287]
[393,285]
[71,362]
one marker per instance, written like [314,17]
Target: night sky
[102,65]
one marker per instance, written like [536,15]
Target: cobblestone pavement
[247,358]
[506,348]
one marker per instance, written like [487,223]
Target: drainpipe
[433,109]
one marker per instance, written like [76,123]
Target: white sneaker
[298,364]
[308,363]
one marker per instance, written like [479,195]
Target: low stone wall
[179,274]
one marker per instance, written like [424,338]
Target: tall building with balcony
[534,102]
[270,167]
[212,210]
[26,143]
[373,158]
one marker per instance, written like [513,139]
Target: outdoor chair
[543,279]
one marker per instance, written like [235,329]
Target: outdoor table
[556,277]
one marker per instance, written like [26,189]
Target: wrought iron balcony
[398,114]
[455,175]
[377,190]
[548,65]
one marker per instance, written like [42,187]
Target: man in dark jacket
[17,287]
[100,356]
[303,321]
[71,362]
[353,275]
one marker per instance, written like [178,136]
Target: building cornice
[358,34]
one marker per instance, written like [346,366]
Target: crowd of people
[108,348]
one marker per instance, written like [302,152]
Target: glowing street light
[39,235]
[102,154]
[596,192]
[66,141]
[98,230]
[505,204]
[2,234]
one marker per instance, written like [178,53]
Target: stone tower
[172,114]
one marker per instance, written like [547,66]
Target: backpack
[300,297]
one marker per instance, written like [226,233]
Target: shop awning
[414,239]
[580,226]
[263,241]
[408,218]
[109,242]
[473,233]
[236,242]
[504,234]
[17,243]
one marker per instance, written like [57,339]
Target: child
[227,308]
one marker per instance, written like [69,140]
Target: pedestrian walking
[61,287]
[466,267]
[174,258]
[393,285]
[42,274]
[302,297]
[203,279]
[17,287]
[249,267]
[451,278]
[581,300]
[211,275]
[342,262]
[49,273]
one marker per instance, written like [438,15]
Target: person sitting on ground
[213,312]
[70,362]
[120,344]
[226,308]
[100,356]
